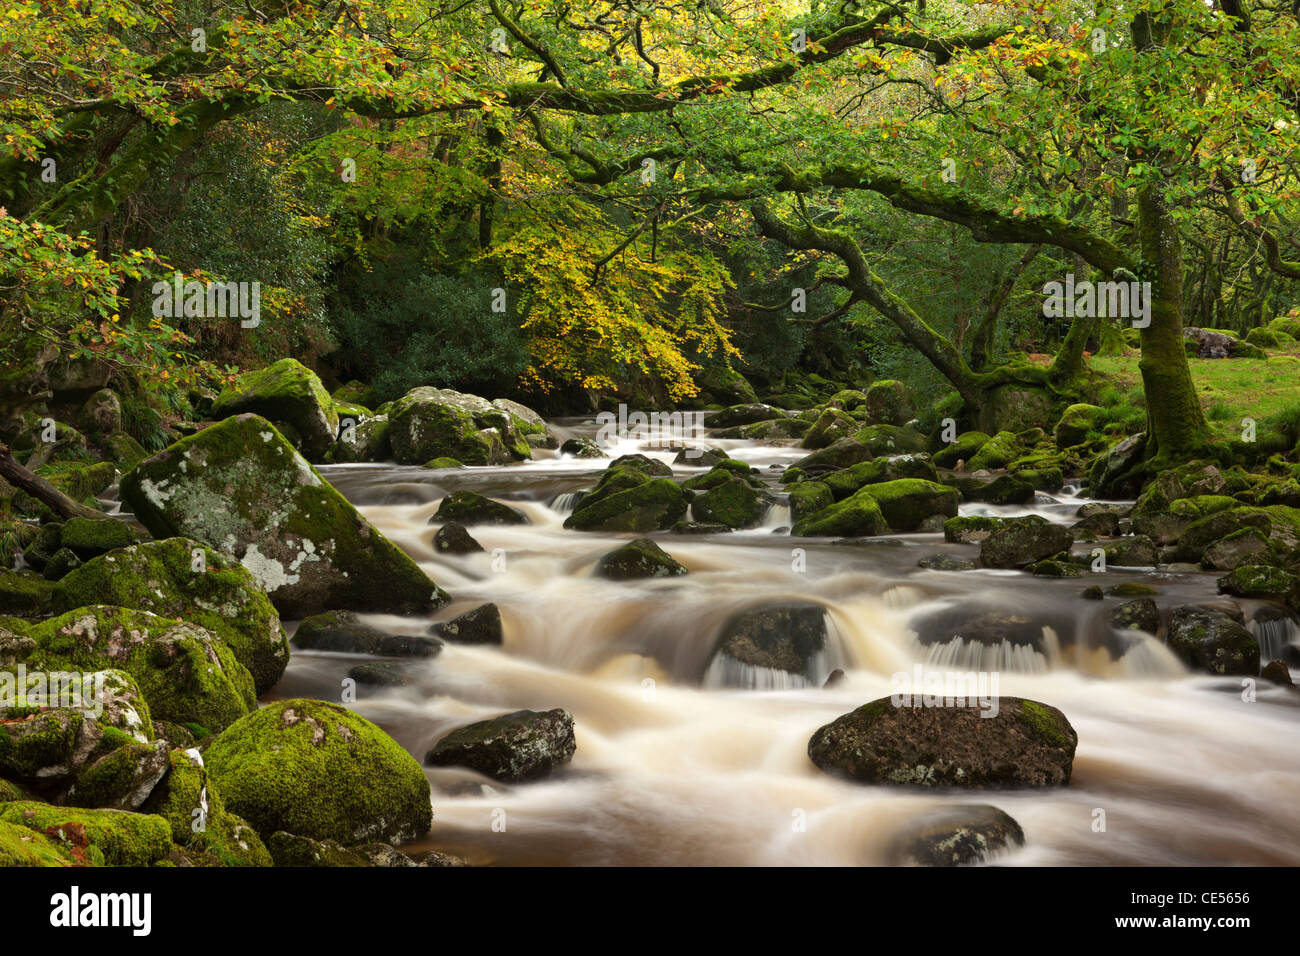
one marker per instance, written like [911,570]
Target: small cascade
[725,671]
[1274,634]
[960,654]
[563,504]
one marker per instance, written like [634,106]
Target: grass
[1229,389]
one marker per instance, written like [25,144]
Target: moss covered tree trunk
[1176,425]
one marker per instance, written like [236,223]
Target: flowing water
[674,766]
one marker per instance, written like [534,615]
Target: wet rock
[1103,507]
[1277,672]
[363,437]
[321,771]
[835,679]
[1137,551]
[453,538]
[1112,474]
[482,625]
[955,836]
[518,747]
[697,527]
[842,454]
[1131,589]
[1022,541]
[527,423]
[641,558]
[746,414]
[1258,581]
[581,448]
[788,637]
[1238,548]
[1091,593]
[289,849]
[286,391]
[946,562]
[381,674]
[469,508]
[1028,744]
[1100,525]
[976,623]
[1213,641]
[343,632]
[644,464]
[1050,568]
[240,488]
[969,529]
[699,457]
[63,562]
[1137,615]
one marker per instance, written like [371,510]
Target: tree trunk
[1176,425]
[42,490]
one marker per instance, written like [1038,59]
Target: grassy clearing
[1230,389]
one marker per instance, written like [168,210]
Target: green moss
[848,480]
[650,504]
[286,391]
[125,839]
[998,452]
[808,498]
[963,449]
[732,502]
[318,770]
[25,594]
[854,517]
[906,502]
[217,594]
[20,846]
[182,671]
[1046,723]
[197,815]
[443,462]
[90,537]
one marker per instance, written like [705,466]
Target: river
[672,769]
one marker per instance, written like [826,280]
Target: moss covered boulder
[1076,422]
[69,757]
[746,414]
[192,806]
[183,672]
[887,403]
[25,594]
[361,438]
[998,452]
[111,837]
[626,499]
[241,489]
[641,558]
[1022,541]
[830,426]
[733,502]
[519,747]
[907,502]
[1025,744]
[430,423]
[1211,640]
[848,480]
[180,578]
[289,392]
[808,498]
[480,625]
[962,450]
[343,632]
[857,516]
[87,538]
[1259,581]
[842,454]
[321,771]
[469,508]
